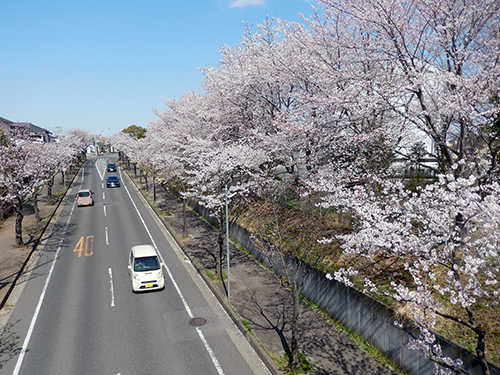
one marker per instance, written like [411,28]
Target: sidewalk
[258,301]
[12,257]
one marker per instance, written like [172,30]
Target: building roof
[33,129]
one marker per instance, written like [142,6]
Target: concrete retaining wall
[356,311]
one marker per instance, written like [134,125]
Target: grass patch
[303,367]
[212,275]
[247,326]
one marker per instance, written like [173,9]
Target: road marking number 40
[88,249]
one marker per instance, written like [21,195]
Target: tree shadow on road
[9,344]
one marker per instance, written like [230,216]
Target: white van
[145,269]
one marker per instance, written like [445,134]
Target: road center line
[104,208]
[179,292]
[107,238]
[111,286]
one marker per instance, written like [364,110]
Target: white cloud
[244,3]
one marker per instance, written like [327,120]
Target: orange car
[84,198]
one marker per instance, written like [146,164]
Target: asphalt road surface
[76,313]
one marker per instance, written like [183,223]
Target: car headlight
[137,277]
[160,275]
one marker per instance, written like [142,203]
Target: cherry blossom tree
[257,96]
[53,156]
[130,141]
[193,135]
[433,68]
[19,183]
[333,102]
[267,107]
[127,146]
[25,167]
[59,155]
[77,141]
[438,248]
[433,64]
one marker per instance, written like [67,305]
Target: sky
[102,66]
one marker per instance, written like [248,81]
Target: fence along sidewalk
[358,312]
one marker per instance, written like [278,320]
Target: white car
[145,269]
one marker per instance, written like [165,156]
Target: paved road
[77,314]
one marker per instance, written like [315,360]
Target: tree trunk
[480,350]
[220,251]
[50,184]
[184,216]
[18,208]
[35,206]
[294,347]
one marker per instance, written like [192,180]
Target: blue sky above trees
[102,66]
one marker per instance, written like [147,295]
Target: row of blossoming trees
[334,101]
[26,166]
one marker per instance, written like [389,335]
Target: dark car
[113,181]
[111,167]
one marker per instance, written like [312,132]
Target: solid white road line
[40,301]
[184,302]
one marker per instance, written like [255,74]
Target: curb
[261,352]
[35,245]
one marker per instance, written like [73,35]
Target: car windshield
[111,165]
[84,194]
[112,178]
[146,264]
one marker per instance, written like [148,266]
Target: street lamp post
[227,246]
[153,178]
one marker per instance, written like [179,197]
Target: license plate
[150,285]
